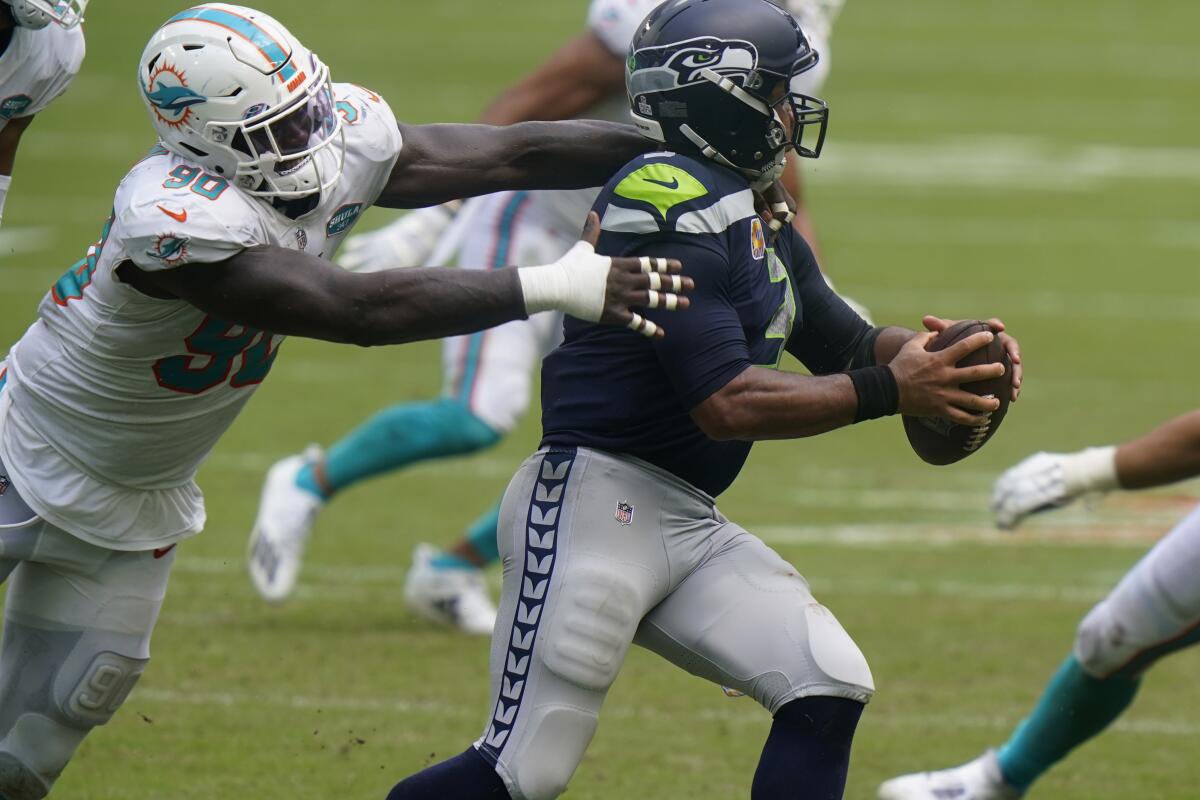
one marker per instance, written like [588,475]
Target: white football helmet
[40,13]
[231,89]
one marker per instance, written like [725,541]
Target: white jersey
[614,22]
[36,68]
[114,398]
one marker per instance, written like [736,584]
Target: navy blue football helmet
[719,77]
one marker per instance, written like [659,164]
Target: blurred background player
[147,349]
[488,377]
[41,50]
[610,533]
[1154,611]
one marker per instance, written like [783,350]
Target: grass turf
[1027,160]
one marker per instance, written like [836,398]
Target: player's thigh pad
[746,619]
[76,640]
[1152,612]
[576,584]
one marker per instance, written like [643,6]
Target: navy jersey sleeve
[705,346]
[832,331]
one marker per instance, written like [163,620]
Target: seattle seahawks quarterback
[610,534]
[146,350]
[41,50]
[488,376]
[1153,612]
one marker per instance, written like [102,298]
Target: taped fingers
[642,325]
[650,265]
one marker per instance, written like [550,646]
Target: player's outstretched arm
[296,294]
[1044,481]
[447,162]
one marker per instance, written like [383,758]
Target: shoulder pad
[669,192]
[166,220]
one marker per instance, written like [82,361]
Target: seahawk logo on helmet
[37,14]
[684,65]
[231,89]
[719,77]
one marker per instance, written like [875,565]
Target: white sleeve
[65,62]
[616,21]
[168,232]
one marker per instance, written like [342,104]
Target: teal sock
[481,536]
[396,437]
[1074,708]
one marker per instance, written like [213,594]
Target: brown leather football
[938,440]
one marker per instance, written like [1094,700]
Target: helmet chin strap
[759,179]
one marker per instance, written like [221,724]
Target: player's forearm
[1169,453]
[889,342]
[571,154]
[766,404]
[447,162]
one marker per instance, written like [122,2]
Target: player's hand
[407,242]
[776,207]
[1039,483]
[601,289]
[645,282]
[929,382]
[937,325]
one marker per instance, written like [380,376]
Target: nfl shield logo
[624,513]
[4,484]
[758,242]
[301,238]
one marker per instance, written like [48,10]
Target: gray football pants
[600,551]
[77,623]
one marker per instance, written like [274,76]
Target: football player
[488,377]
[41,50]
[610,534]
[145,351]
[1154,611]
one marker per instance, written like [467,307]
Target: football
[938,440]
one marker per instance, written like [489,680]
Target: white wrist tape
[1091,470]
[5,182]
[575,284]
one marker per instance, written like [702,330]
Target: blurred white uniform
[492,372]
[36,68]
[113,398]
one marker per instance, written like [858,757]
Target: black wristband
[878,394]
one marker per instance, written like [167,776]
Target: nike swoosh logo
[674,184]
[178,216]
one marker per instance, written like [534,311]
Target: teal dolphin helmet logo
[170,96]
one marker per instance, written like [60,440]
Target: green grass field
[1031,160]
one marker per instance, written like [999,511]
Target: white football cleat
[286,514]
[976,780]
[455,597]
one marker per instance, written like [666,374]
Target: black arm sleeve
[832,338]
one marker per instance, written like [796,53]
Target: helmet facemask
[38,14]
[289,152]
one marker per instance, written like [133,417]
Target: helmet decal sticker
[170,96]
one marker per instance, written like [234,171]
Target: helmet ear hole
[193,150]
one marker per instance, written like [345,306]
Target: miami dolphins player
[147,349]
[487,377]
[610,533]
[41,50]
[1153,612]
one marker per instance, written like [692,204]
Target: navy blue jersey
[613,389]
